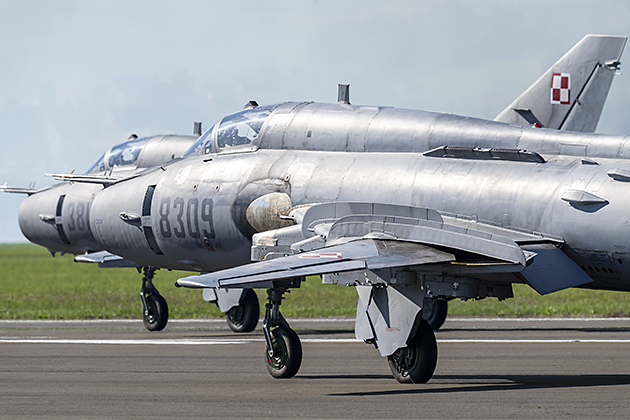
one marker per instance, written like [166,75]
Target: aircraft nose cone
[38,222]
[58,218]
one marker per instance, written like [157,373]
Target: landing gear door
[391,313]
[226,299]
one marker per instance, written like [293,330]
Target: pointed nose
[58,218]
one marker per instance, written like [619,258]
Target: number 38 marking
[78,218]
[192,212]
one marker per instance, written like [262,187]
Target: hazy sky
[77,77]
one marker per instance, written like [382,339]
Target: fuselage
[190,215]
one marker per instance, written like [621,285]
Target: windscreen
[126,153]
[242,127]
[202,146]
[99,165]
[237,129]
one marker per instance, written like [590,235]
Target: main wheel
[416,362]
[434,311]
[244,317]
[287,353]
[157,313]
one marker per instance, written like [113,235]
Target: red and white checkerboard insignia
[561,88]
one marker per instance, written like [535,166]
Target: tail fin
[571,94]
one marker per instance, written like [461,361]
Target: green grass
[566,303]
[33,285]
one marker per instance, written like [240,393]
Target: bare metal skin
[404,205]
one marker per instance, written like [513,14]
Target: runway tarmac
[487,368]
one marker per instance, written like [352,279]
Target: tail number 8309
[183,218]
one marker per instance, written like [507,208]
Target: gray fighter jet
[604,53]
[599,54]
[400,204]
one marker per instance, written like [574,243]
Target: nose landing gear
[283,355]
[154,307]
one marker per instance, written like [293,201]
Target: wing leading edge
[356,255]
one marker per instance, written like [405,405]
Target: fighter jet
[599,54]
[593,50]
[400,204]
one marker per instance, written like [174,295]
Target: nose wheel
[285,359]
[154,306]
[155,316]
[283,355]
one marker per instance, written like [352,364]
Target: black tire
[157,316]
[435,311]
[416,362]
[287,356]
[244,317]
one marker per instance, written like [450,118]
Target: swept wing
[355,237]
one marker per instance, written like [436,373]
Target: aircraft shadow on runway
[257,333]
[481,383]
[335,377]
[558,329]
[304,332]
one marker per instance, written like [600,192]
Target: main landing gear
[154,307]
[283,355]
[434,311]
[416,362]
[244,316]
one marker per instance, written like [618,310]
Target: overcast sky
[77,77]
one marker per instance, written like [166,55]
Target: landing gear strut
[416,362]
[283,355]
[154,307]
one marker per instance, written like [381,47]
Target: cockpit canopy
[238,129]
[139,153]
[124,154]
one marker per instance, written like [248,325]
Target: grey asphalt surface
[199,369]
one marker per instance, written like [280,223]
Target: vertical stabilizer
[571,94]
